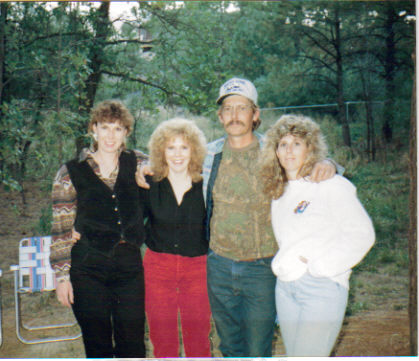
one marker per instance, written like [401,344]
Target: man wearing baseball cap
[241,285]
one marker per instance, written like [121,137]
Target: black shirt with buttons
[116,207]
[173,228]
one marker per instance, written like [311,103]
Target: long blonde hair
[272,173]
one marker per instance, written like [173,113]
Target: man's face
[237,115]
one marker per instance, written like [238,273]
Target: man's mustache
[234,122]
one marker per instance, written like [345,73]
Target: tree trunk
[3,18]
[22,170]
[413,290]
[370,119]
[59,71]
[101,26]
[339,80]
[389,70]
[370,131]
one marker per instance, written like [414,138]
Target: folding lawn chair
[34,274]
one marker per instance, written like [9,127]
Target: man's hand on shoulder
[322,170]
[140,174]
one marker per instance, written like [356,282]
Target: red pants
[176,284]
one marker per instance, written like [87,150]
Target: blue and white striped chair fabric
[34,274]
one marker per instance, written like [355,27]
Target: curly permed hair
[110,111]
[273,174]
[165,132]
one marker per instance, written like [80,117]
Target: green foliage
[8,182]
[384,191]
[16,135]
[39,147]
[43,227]
[354,307]
[56,62]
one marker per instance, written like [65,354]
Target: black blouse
[173,228]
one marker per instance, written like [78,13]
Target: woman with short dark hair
[101,276]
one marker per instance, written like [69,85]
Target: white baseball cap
[238,86]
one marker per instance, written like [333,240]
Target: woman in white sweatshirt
[322,232]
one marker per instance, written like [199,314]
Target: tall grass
[383,189]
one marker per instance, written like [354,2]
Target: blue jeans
[310,314]
[242,299]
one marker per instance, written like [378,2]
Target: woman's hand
[140,175]
[75,236]
[322,171]
[65,294]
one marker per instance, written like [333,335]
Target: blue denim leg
[310,313]
[242,299]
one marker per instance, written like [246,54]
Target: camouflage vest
[241,222]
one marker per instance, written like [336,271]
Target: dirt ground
[379,328]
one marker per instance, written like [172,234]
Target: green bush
[43,227]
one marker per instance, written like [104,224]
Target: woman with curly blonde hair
[175,261]
[191,134]
[322,231]
[273,174]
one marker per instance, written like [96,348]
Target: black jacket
[105,217]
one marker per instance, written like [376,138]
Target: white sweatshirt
[323,222]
